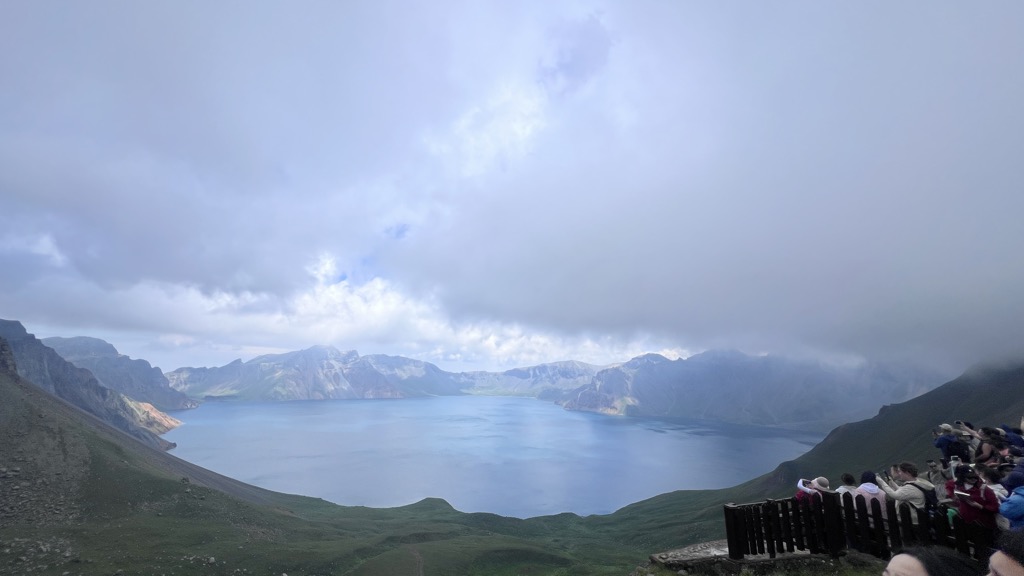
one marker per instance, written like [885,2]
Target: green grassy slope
[97,502]
[90,500]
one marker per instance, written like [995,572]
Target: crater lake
[511,456]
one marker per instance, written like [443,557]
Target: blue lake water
[511,456]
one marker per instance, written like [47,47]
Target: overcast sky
[485,185]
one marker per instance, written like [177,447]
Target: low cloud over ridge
[491,185]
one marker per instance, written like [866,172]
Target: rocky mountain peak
[78,347]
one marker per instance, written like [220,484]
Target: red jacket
[980,493]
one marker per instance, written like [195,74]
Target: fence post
[864,523]
[749,519]
[850,517]
[879,533]
[787,524]
[897,517]
[835,538]
[815,525]
[776,524]
[800,524]
[767,522]
[735,531]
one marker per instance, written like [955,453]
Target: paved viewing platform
[713,558]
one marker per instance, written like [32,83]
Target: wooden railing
[834,522]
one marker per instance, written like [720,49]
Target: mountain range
[725,386]
[42,366]
[136,379]
[78,496]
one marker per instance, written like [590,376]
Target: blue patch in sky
[397,232]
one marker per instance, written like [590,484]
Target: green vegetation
[90,501]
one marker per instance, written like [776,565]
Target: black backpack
[931,500]
[959,448]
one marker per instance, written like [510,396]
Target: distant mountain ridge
[46,369]
[136,379]
[316,373]
[730,386]
[726,386]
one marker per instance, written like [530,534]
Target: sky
[485,185]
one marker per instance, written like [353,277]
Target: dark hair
[1012,544]
[847,479]
[942,561]
[991,432]
[868,476]
[988,473]
[908,468]
[962,471]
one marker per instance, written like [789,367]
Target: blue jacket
[1015,479]
[1013,509]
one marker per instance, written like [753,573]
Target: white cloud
[493,134]
[38,245]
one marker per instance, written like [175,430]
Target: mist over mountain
[46,369]
[545,381]
[729,386]
[136,379]
[726,386]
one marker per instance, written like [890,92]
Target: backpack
[931,500]
[959,448]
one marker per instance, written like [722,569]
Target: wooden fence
[836,522]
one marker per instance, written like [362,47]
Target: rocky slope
[317,373]
[136,379]
[46,369]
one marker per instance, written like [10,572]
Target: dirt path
[419,560]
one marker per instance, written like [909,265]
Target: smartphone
[959,493]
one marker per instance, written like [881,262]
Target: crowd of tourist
[978,475]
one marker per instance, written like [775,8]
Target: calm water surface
[511,456]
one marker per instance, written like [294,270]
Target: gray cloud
[792,178]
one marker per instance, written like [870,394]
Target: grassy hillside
[78,496]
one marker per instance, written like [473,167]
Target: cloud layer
[485,185]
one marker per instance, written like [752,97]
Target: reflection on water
[511,456]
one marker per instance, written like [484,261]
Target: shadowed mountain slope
[729,386]
[136,379]
[45,368]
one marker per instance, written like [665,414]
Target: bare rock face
[317,373]
[7,364]
[46,369]
[136,379]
